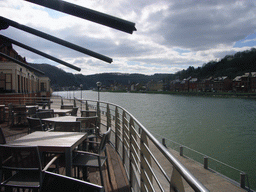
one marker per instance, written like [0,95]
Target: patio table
[65,119]
[63,142]
[62,111]
[2,113]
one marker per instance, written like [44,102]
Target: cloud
[171,35]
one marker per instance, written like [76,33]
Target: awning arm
[89,14]
[4,21]
[39,52]
[21,63]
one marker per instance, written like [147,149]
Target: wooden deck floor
[119,180]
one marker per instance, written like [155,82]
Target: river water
[221,128]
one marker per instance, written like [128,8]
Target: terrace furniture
[54,182]
[57,142]
[18,113]
[21,167]
[74,111]
[83,159]
[66,106]
[2,137]
[2,113]
[45,114]
[31,110]
[68,126]
[87,113]
[62,112]
[35,124]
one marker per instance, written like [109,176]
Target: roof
[77,11]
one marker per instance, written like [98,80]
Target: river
[221,128]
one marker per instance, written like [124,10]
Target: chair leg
[101,176]
[108,170]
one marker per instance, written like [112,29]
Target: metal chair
[21,167]
[2,137]
[74,111]
[19,113]
[35,124]
[83,159]
[88,124]
[66,106]
[88,113]
[68,126]
[55,182]
[45,114]
[31,111]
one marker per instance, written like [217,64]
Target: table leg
[68,157]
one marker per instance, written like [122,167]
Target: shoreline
[200,94]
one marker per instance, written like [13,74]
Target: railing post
[206,162]
[242,180]
[130,149]
[86,106]
[123,133]
[74,102]
[108,117]
[98,114]
[163,142]
[181,150]
[117,128]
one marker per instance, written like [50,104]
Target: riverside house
[19,78]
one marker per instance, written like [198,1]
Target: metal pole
[181,150]
[242,180]
[206,162]
[81,86]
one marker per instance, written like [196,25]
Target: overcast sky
[171,34]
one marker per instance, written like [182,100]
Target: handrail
[128,141]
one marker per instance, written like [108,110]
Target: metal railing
[237,176]
[148,164]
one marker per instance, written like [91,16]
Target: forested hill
[230,65]
[59,78]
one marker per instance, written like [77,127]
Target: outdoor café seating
[45,114]
[85,159]
[54,182]
[21,167]
[67,126]
[35,124]
[2,137]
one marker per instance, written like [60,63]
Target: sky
[171,34]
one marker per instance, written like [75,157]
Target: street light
[81,87]
[73,92]
[98,85]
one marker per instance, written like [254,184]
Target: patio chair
[19,113]
[31,111]
[45,114]
[88,113]
[21,167]
[67,126]
[55,182]
[83,159]
[66,106]
[35,124]
[88,124]
[74,111]
[2,137]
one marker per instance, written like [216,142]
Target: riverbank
[202,94]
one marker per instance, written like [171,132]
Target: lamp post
[73,92]
[98,103]
[98,85]
[81,87]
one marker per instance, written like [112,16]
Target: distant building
[17,79]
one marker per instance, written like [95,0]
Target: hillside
[60,78]
[230,65]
